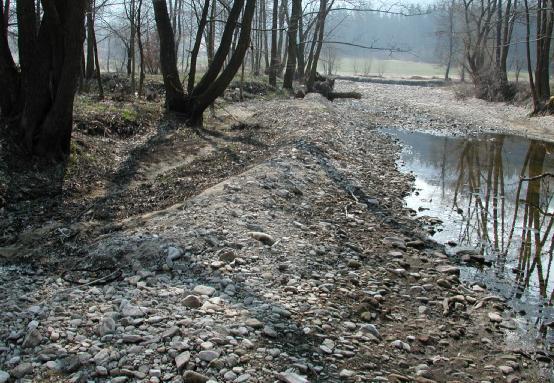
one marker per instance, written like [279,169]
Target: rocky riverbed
[305,267]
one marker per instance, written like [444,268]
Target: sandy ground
[439,108]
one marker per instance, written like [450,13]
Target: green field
[390,68]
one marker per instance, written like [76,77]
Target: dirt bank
[299,265]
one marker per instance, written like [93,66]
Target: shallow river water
[491,193]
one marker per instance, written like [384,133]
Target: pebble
[182,359]
[264,238]
[371,329]
[22,370]
[192,301]
[254,323]
[4,376]
[194,377]
[291,377]
[129,310]
[401,345]
[270,332]
[106,326]
[208,355]
[495,317]
[506,370]
[204,290]
[32,339]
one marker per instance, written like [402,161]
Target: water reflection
[493,192]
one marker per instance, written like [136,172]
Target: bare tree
[274,52]
[192,105]
[292,33]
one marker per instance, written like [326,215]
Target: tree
[292,33]
[274,58]
[540,82]
[38,99]
[191,105]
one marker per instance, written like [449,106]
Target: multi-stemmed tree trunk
[192,105]
[38,99]
[320,28]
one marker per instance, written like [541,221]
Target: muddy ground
[271,246]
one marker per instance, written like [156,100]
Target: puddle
[483,191]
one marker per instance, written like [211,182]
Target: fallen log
[332,95]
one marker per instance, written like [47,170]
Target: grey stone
[204,290]
[254,323]
[129,310]
[401,345]
[32,339]
[194,377]
[208,355]
[192,301]
[4,376]
[270,332]
[264,238]
[106,326]
[182,359]
[371,329]
[495,317]
[22,369]
[242,378]
[291,377]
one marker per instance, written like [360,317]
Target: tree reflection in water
[481,182]
[492,192]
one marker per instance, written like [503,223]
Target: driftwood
[333,95]
[325,86]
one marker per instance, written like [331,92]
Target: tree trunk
[450,39]
[89,71]
[132,46]
[528,56]
[274,59]
[300,49]
[216,79]
[545,20]
[281,26]
[196,48]
[97,67]
[321,16]
[10,78]
[5,14]
[216,88]
[219,58]
[210,43]
[141,50]
[292,32]
[509,21]
[46,120]
[264,35]
[174,94]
